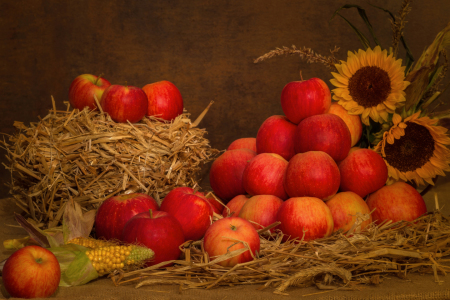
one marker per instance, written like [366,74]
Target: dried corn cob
[91,243]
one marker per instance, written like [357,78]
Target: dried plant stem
[399,24]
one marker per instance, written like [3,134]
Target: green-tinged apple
[124,103]
[233,208]
[114,213]
[302,99]
[192,210]
[158,231]
[363,171]
[353,122]
[326,132]
[164,100]
[398,201]
[276,135]
[344,207]
[264,175]
[223,236]
[306,218]
[312,174]
[243,143]
[225,175]
[83,89]
[261,210]
[31,272]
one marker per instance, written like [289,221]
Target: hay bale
[86,156]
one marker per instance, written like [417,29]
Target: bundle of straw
[86,156]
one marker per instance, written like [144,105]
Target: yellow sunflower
[414,149]
[370,83]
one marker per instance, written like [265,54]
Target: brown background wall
[205,47]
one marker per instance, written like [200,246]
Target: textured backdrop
[206,48]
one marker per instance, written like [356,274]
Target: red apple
[344,207]
[191,209]
[276,135]
[83,89]
[225,175]
[363,171]
[164,100]
[302,99]
[158,231]
[305,215]
[235,206]
[327,133]
[396,202]
[353,122]
[31,272]
[124,103]
[223,236]
[264,175]
[262,210]
[243,143]
[216,205]
[313,174]
[114,213]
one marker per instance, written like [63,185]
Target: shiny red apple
[302,99]
[83,89]
[243,143]
[353,122]
[398,201]
[225,175]
[326,132]
[223,236]
[305,217]
[164,100]
[312,174]
[345,207]
[276,135]
[192,210]
[31,272]
[233,208]
[264,175]
[114,213]
[363,171]
[158,231]
[261,210]
[124,103]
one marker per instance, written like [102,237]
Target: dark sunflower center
[411,151]
[369,86]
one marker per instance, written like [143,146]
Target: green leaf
[360,35]
[362,14]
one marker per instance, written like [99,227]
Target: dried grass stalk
[86,156]
[342,261]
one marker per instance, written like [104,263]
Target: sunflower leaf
[419,81]
[360,35]
[363,15]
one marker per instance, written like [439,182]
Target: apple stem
[233,227]
[151,213]
[301,76]
[98,78]
[126,83]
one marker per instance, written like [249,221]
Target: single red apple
[308,216]
[363,171]
[164,100]
[262,210]
[353,122]
[344,207]
[158,231]
[243,143]
[264,175]
[225,175]
[276,135]
[235,206]
[313,174]
[215,204]
[31,272]
[398,201]
[83,89]
[302,99]
[192,210]
[114,213]
[327,133]
[124,103]
[223,236]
